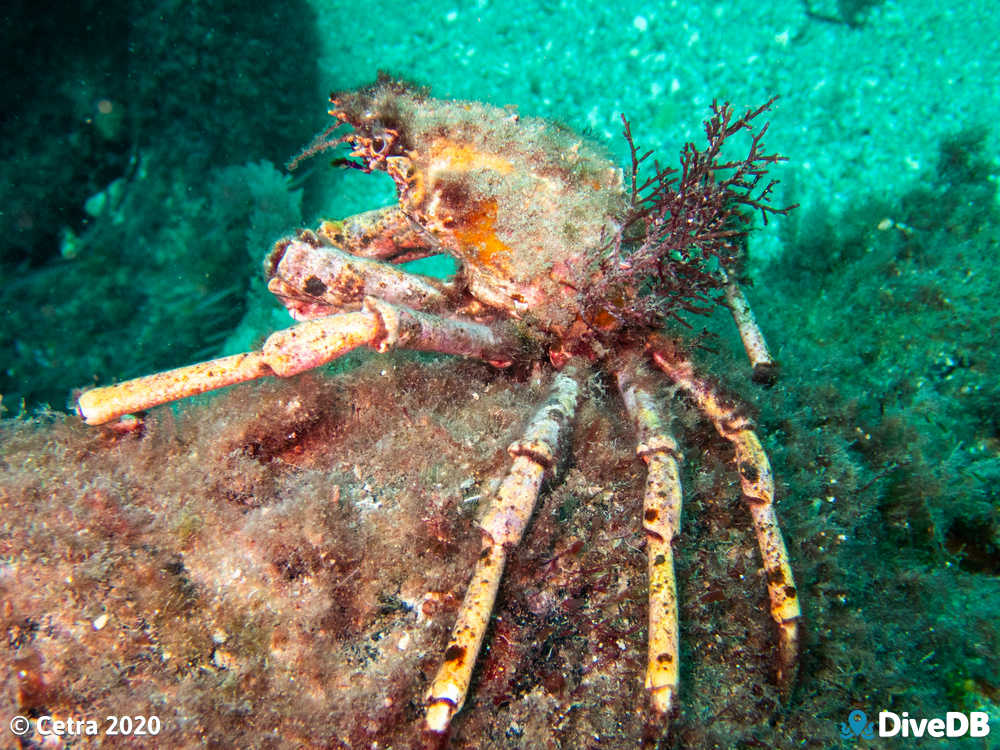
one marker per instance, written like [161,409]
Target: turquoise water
[143,185]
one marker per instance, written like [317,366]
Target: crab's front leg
[302,347]
[383,233]
[389,233]
[284,353]
[502,527]
[314,280]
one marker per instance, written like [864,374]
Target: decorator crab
[561,257]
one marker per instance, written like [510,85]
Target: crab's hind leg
[302,347]
[502,527]
[661,522]
[757,485]
[765,368]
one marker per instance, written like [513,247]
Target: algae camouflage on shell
[283,563]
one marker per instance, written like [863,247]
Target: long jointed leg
[661,522]
[765,369]
[303,347]
[384,233]
[757,484]
[285,353]
[502,527]
[311,278]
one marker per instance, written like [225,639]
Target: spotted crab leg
[661,522]
[757,485]
[314,280]
[765,368]
[502,527]
[379,324]
[384,233]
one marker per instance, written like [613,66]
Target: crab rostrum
[563,259]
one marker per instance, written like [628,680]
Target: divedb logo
[890,724]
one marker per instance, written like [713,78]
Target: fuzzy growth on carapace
[545,226]
[683,230]
[515,200]
[401,119]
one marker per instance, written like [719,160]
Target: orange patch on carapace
[603,320]
[476,234]
[464,157]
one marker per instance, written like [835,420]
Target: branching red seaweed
[683,229]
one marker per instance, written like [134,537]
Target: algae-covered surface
[279,565]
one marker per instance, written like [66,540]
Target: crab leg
[661,522]
[314,280]
[757,484]
[502,527]
[384,233]
[285,353]
[302,347]
[765,369]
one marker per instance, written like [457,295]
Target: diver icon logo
[857,726]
